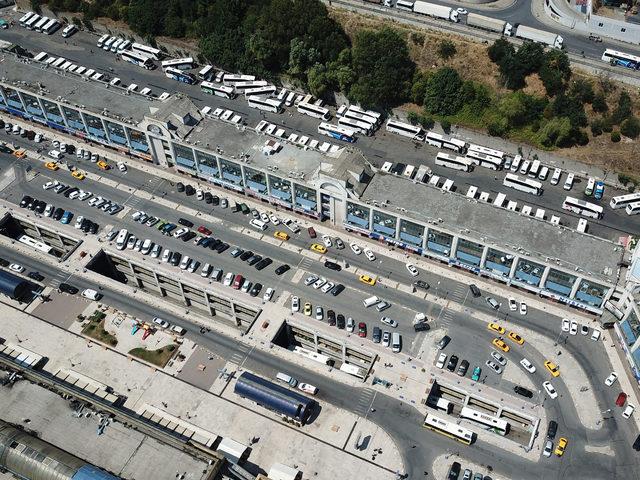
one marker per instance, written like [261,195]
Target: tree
[443,92]
[623,109]
[555,132]
[419,87]
[512,72]
[446,49]
[319,81]
[413,118]
[555,72]
[599,103]
[301,57]
[530,56]
[630,127]
[582,90]
[499,50]
[596,127]
[615,136]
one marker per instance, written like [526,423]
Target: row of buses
[33,21]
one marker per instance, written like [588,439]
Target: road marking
[365,400]
[298,275]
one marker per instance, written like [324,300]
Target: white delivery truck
[540,36]
[491,24]
[437,11]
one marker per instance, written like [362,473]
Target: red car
[362,329]
[312,232]
[204,230]
[622,398]
[238,281]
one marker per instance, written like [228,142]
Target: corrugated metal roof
[89,472]
[12,285]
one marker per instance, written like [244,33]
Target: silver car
[493,366]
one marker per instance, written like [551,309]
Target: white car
[319,283]
[356,249]
[319,313]
[38,138]
[498,358]
[528,366]
[493,366]
[122,167]
[326,239]
[160,322]
[180,232]
[268,295]
[441,359]
[274,219]
[566,325]
[84,195]
[412,269]
[16,267]
[574,327]
[389,321]
[351,325]
[264,217]
[308,388]
[523,308]
[628,411]
[48,211]
[49,185]
[548,449]
[369,254]
[79,221]
[295,304]
[611,379]
[166,256]
[310,280]
[550,390]
[595,336]
[328,286]
[513,305]
[199,194]
[193,266]
[228,279]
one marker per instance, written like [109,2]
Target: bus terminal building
[328,183]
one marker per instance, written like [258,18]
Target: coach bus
[449,429]
[522,184]
[218,90]
[206,73]
[313,111]
[272,105]
[137,59]
[489,422]
[583,208]
[626,60]
[152,53]
[178,63]
[440,141]
[338,132]
[413,132]
[456,163]
[179,75]
[358,126]
[623,200]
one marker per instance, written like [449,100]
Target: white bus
[32,21]
[359,115]
[522,184]
[633,208]
[152,53]
[369,113]
[268,90]
[358,126]
[116,45]
[489,422]
[69,30]
[583,208]
[230,79]
[179,75]
[413,132]
[124,46]
[483,160]
[206,73]
[311,355]
[314,111]
[440,403]
[272,105]
[25,18]
[449,429]
[51,26]
[623,200]
[487,151]
[535,169]
[108,42]
[101,40]
[456,163]
[615,57]
[41,56]
[35,244]
[218,90]
[41,23]
[137,59]
[242,86]
[338,132]
[179,63]
[58,62]
[440,141]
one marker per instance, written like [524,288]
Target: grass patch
[95,329]
[158,357]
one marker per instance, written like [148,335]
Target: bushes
[615,136]
[446,49]
[630,127]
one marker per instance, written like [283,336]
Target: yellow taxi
[500,344]
[554,370]
[496,328]
[516,338]
[316,247]
[281,235]
[102,165]
[52,166]
[561,447]
[368,280]
[307,309]
[20,153]
[77,174]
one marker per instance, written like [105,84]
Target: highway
[399,420]
[381,147]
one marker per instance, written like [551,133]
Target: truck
[488,23]
[547,38]
[437,11]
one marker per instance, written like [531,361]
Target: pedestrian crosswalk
[58,278]
[459,293]
[240,355]
[134,202]
[305,263]
[365,400]
[446,318]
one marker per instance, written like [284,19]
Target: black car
[475,291]
[180,187]
[525,392]
[255,259]
[462,369]
[188,236]
[204,241]
[282,269]
[222,247]
[340,321]
[246,255]
[94,228]
[216,200]
[453,361]
[339,244]
[57,214]
[331,317]
[185,223]
[41,205]
[264,263]
[444,341]
[32,204]
[421,327]
[208,197]
[175,258]
[26,200]
[552,429]
[189,190]
[332,265]
[376,335]
[4,262]
[636,444]
[37,276]
[335,291]
[421,284]
[255,290]
[454,471]
[85,226]
[66,288]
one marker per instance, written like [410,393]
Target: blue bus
[338,132]
[180,76]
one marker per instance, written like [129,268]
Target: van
[371,301]
[259,224]
[588,191]
[582,225]
[396,342]
[146,247]
[568,183]
[91,294]
[55,154]
[535,168]
[288,379]
[516,163]
[555,178]
[525,167]
[121,240]
[102,39]
[544,171]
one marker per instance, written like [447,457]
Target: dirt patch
[158,357]
[95,329]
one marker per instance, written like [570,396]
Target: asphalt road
[378,149]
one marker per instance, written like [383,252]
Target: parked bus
[358,126]
[124,46]
[268,91]
[633,208]
[30,24]
[311,355]
[230,79]
[615,57]
[58,62]
[357,115]
[522,184]
[218,90]
[25,18]
[440,403]
[623,200]
[137,59]
[487,151]
[242,86]
[41,57]
[152,53]
[107,44]
[41,23]
[449,429]
[51,26]
[337,131]
[583,208]
[374,117]
[179,75]
[483,160]
[534,169]
[456,163]
[35,244]
[413,132]
[206,73]
[440,141]
[115,45]
[101,40]
[178,63]
[69,30]
[313,111]
[272,105]
[489,422]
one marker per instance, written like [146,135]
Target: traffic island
[159,357]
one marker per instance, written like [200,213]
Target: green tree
[419,87]
[443,92]
[630,127]
[319,81]
[555,132]
[446,49]
[599,103]
[301,57]
[596,127]
[582,90]
[500,49]
[413,118]
[568,107]
[498,127]
[623,109]
[615,136]
[530,56]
